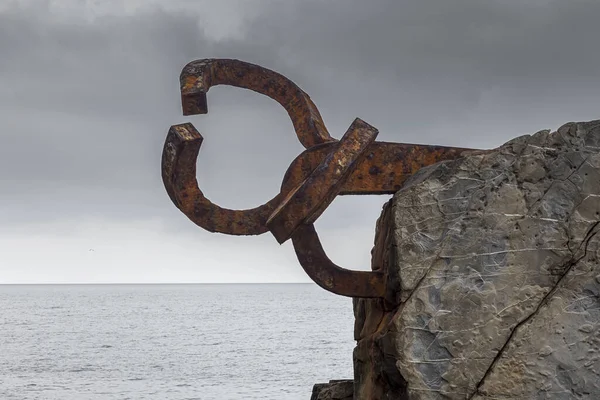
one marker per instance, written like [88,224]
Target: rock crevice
[593,231]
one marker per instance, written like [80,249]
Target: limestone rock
[494,262]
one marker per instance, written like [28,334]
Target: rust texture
[354,165]
[325,273]
[180,152]
[198,76]
[311,197]
[383,169]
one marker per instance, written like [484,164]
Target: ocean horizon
[171,341]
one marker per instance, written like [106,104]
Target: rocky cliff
[494,261]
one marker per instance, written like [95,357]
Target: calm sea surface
[171,342]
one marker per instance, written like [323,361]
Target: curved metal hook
[198,76]
[179,177]
[328,275]
[183,142]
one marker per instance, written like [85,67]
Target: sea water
[171,342]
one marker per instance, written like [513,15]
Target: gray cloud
[85,104]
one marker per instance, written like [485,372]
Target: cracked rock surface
[493,259]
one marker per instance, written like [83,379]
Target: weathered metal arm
[354,165]
[310,185]
[345,282]
[179,176]
[179,156]
[183,141]
[198,76]
[383,170]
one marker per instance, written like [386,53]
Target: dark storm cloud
[79,105]
[434,61]
[85,105]
[85,108]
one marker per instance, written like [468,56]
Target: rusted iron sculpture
[356,164]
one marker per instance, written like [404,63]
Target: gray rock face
[495,262]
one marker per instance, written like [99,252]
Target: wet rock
[493,261]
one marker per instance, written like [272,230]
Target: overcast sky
[88,90]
